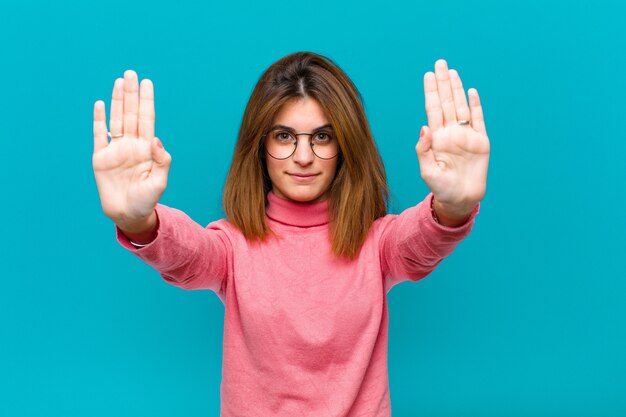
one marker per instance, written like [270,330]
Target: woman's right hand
[131,170]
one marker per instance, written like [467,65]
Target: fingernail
[422,132]
[158,142]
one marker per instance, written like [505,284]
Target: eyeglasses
[281,143]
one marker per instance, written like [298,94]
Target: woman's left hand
[453,157]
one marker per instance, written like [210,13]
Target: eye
[322,137]
[283,136]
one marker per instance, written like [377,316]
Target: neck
[295,213]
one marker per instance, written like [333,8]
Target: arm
[185,254]
[413,244]
[453,153]
[131,172]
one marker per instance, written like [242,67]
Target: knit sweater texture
[305,333]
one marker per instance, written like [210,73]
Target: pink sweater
[305,333]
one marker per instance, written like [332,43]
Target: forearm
[414,243]
[186,254]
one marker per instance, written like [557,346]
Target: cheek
[331,169]
[274,168]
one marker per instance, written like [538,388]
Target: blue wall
[526,318]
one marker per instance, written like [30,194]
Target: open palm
[453,150]
[131,170]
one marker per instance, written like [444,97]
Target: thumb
[162,161]
[424,150]
[159,154]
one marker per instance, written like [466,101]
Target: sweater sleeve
[184,253]
[413,244]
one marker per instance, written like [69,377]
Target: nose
[304,154]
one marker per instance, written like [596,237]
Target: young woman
[307,253]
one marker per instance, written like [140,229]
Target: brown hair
[358,193]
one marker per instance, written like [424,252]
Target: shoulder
[223,224]
[382,222]
[379,228]
[225,228]
[410,220]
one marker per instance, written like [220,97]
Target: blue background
[526,318]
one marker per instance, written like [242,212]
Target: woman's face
[302,177]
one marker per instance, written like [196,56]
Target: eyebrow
[326,126]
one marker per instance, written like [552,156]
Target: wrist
[451,216]
[141,232]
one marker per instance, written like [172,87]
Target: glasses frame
[310,135]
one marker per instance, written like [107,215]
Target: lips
[302,177]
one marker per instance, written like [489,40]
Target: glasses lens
[280,144]
[324,145]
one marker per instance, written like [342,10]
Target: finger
[146,110]
[460,101]
[159,154]
[162,161]
[445,92]
[100,139]
[425,154]
[131,103]
[433,106]
[478,121]
[117,108]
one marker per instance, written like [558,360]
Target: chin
[303,196]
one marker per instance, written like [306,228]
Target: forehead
[301,113]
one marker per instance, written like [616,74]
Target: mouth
[302,177]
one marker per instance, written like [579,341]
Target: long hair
[358,194]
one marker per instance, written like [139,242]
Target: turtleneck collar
[296,214]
